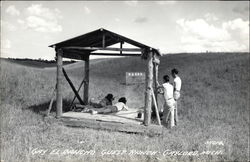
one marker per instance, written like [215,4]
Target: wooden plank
[121,47]
[51,101]
[59,105]
[129,116]
[114,54]
[82,56]
[106,49]
[113,126]
[156,59]
[156,108]
[75,55]
[149,83]
[72,86]
[103,40]
[86,83]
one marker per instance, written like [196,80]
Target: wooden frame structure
[83,46]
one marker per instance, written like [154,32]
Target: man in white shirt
[169,105]
[177,89]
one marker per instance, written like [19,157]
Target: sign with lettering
[135,77]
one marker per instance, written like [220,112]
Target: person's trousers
[168,113]
[107,110]
[176,97]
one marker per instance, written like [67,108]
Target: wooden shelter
[83,46]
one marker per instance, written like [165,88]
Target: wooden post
[103,40]
[59,78]
[72,86]
[156,61]
[149,83]
[51,101]
[156,109]
[121,47]
[86,83]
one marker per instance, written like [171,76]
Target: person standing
[169,105]
[177,89]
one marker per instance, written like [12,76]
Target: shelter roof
[95,39]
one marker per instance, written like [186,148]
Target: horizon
[191,27]
[111,57]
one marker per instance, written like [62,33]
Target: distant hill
[38,63]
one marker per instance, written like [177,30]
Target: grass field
[213,111]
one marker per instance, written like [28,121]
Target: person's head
[110,97]
[123,100]
[174,72]
[166,78]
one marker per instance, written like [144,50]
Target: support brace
[72,86]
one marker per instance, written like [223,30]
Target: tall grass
[214,107]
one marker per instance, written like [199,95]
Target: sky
[29,27]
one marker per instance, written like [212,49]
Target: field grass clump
[214,107]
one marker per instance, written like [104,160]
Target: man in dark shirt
[106,101]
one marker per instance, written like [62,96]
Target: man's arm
[103,102]
[125,107]
[158,84]
[160,89]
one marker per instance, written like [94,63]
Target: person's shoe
[93,112]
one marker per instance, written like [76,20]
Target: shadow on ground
[43,107]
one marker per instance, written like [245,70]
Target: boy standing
[177,89]
[169,105]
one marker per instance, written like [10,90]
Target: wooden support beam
[149,83]
[72,102]
[115,54]
[59,100]
[86,83]
[156,108]
[121,47]
[74,54]
[156,58]
[72,86]
[103,40]
[156,62]
[51,101]
[106,49]
[83,56]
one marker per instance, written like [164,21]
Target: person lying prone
[106,101]
[119,106]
